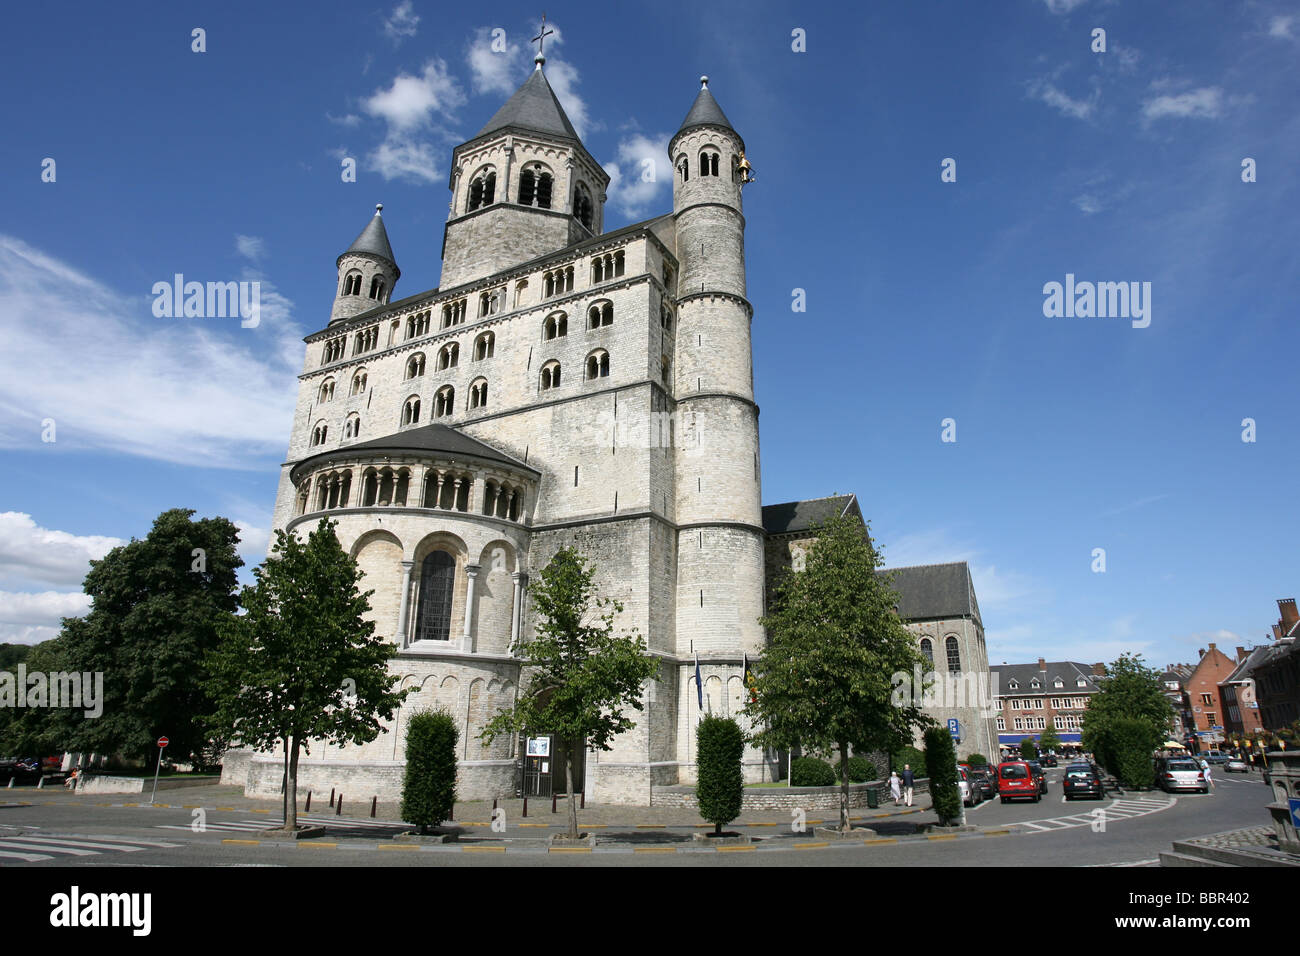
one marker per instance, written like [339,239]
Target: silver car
[1181,775]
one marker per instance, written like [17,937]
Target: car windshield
[1013,772]
[1182,765]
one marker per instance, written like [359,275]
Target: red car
[1016,780]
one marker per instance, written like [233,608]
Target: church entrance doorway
[545,759]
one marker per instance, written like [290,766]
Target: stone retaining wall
[783,798]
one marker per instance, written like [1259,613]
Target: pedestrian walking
[909,781]
[895,787]
[1209,776]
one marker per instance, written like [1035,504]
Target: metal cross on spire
[540,39]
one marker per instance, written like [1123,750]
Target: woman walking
[895,787]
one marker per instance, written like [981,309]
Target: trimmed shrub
[429,790]
[912,756]
[811,772]
[941,768]
[861,770]
[977,760]
[719,746]
[1028,749]
[1130,740]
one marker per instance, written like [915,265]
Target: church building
[562,386]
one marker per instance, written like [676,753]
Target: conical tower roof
[373,240]
[705,111]
[533,107]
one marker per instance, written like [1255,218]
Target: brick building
[1203,692]
[1030,697]
[1277,675]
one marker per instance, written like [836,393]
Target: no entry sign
[163,741]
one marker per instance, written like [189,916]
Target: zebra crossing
[29,848]
[1118,809]
[252,826]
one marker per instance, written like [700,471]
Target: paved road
[1131,829]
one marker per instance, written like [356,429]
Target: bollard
[525,805]
[307,809]
[331,796]
[338,807]
[374,802]
[40,784]
[451,814]
[552,801]
[11,784]
[494,804]
[582,800]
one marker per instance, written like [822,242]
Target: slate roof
[374,240]
[705,111]
[533,107]
[1023,675]
[931,591]
[434,438]
[1245,669]
[795,516]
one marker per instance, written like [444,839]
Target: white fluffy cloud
[27,618]
[495,63]
[412,107]
[1282,27]
[60,558]
[178,390]
[1061,7]
[641,174]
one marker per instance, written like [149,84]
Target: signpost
[1294,804]
[162,744]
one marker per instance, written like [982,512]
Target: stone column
[517,606]
[467,637]
[403,614]
[437,495]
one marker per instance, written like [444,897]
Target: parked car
[971,795]
[1216,757]
[1236,765]
[1039,775]
[1083,780]
[1048,760]
[1016,781]
[1180,773]
[982,779]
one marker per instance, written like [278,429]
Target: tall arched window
[411,411]
[598,364]
[535,187]
[376,288]
[684,167]
[415,365]
[557,325]
[550,375]
[600,314]
[954,656]
[927,651]
[358,383]
[448,356]
[444,402]
[582,207]
[478,393]
[484,346]
[708,163]
[437,580]
[326,391]
[352,284]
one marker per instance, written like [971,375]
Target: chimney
[1201,651]
[1241,653]
[1289,614]
[1213,647]
[1042,664]
[1099,669]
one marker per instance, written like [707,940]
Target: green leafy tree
[941,768]
[720,744]
[1048,739]
[1129,691]
[156,604]
[302,663]
[977,760]
[1028,749]
[1129,740]
[582,680]
[429,790]
[827,679]
[32,731]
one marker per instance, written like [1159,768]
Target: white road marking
[28,857]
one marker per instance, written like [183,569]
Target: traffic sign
[1295,810]
[954,728]
[163,741]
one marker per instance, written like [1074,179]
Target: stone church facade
[562,386]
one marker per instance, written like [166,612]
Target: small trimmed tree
[429,790]
[582,680]
[1129,742]
[720,745]
[1048,739]
[941,768]
[1028,751]
[977,760]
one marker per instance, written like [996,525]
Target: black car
[1041,777]
[1048,760]
[982,781]
[1083,780]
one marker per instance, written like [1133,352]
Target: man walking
[909,781]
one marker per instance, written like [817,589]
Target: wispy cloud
[1047,92]
[414,108]
[402,22]
[251,247]
[1205,103]
[1062,7]
[496,64]
[1283,27]
[178,390]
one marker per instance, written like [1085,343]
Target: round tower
[367,271]
[720,538]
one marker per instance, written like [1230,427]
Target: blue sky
[924,298]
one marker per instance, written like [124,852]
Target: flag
[699,684]
[748,678]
